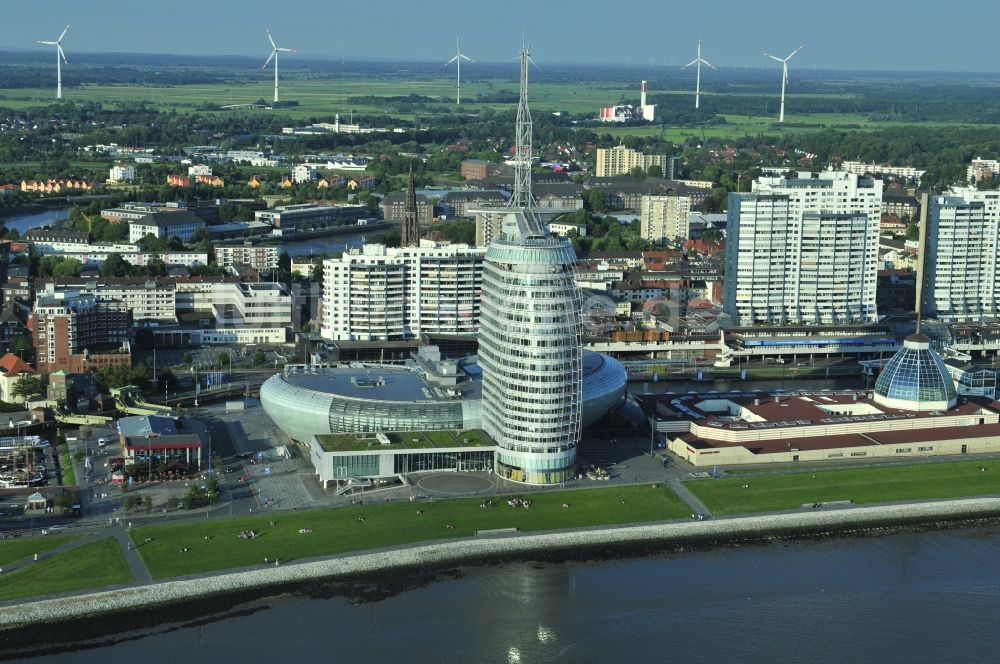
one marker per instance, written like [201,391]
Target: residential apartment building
[861,168]
[181,224]
[147,300]
[120,173]
[303,174]
[380,293]
[982,170]
[803,250]
[50,240]
[67,326]
[257,257]
[900,204]
[960,280]
[664,218]
[295,217]
[620,160]
[98,253]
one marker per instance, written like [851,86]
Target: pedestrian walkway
[135,564]
[689,499]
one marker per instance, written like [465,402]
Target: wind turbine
[459,56]
[59,54]
[697,86]
[784,78]
[274,54]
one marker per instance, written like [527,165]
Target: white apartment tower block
[803,250]
[664,218]
[958,246]
[380,293]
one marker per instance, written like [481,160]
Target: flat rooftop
[409,440]
[799,409]
[368,382]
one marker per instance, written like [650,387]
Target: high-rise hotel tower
[530,336]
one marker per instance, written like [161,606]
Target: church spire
[411,224]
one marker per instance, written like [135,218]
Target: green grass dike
[214,545]
[94,565]
[927,481]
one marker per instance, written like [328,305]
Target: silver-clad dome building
[915,378]
[308,401]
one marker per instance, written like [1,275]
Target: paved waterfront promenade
[455,552]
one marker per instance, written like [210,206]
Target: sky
[837,34]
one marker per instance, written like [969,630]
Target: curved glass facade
[530,350]
[915,378]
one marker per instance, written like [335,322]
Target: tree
[22,344]
[186,358]
[913,232]
[317,273]
[594,200]
[259,359]
[115,266]
[27,385]
[654,171]
[221,359]
[155,267]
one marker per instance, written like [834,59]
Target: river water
[915,597]
[25,222]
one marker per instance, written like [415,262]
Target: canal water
[916,597]
[25,222]
[732,384]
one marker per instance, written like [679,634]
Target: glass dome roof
[915,378]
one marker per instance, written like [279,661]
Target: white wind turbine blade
[285,50]
[706,62]
[793,53]
[271,39]
[269,58]
[450,61]
[693,62]
[47,43]
[775,58]
[59,48]
[65,30]
[464,57]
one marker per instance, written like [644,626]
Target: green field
[90,566]
[865,485]
[215,545]
[12,550]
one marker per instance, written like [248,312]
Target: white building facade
[258,257]
[121,173]
[380,293]
[959,281]
[803,250]
[664,218]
